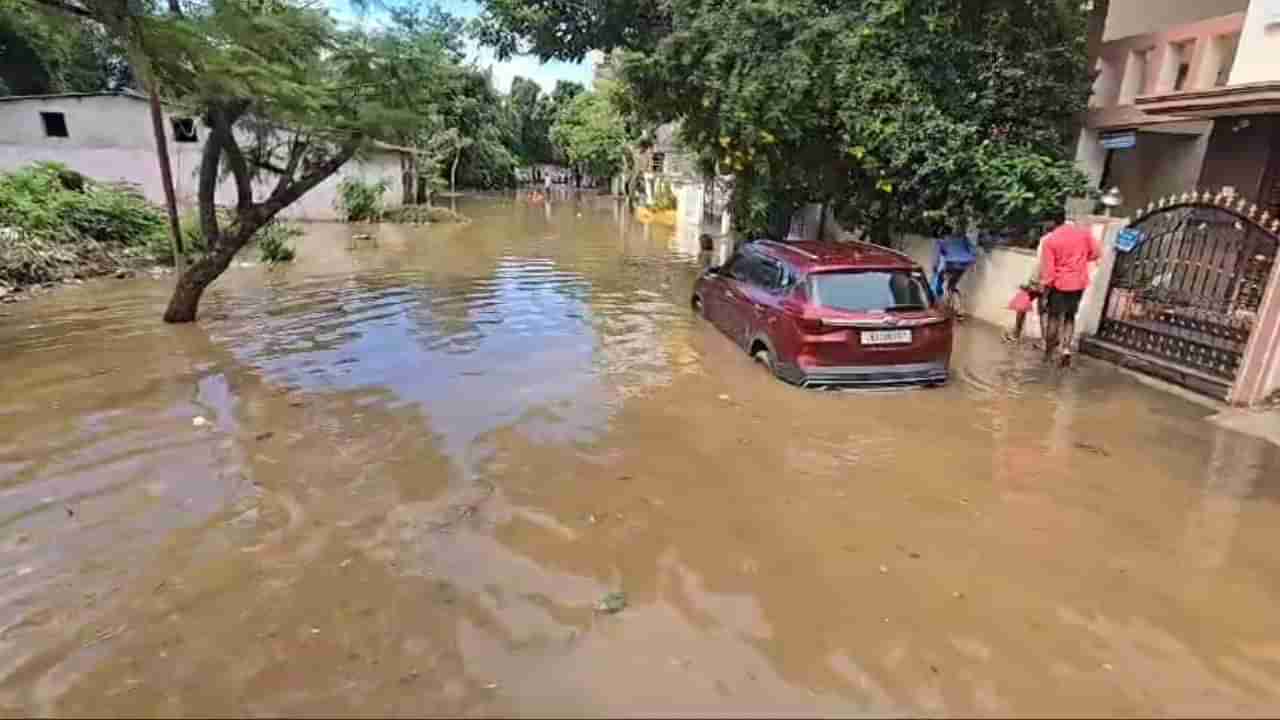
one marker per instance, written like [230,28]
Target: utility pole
[166,176]
[162,150]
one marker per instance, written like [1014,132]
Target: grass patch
[423,214]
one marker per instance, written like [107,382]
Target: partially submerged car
[830,314]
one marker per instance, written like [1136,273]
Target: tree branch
[69,8]
[284,195]
[210,157]
[259,163]
[297,148]
[222,128]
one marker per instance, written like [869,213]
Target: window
[1226,47]
[765,274]
[758,271]
[1175,75]
[184,130]
[1135,77]
[55,124]
[736,268]
[871,290]
[1180,82]
[659,163]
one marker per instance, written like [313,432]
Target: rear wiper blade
[915,306]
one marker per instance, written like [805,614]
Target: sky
[545,74]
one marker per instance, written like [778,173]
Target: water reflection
[428,455]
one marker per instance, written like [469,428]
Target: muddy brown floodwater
[428,456]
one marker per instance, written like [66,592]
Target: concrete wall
[999,273]
[1136,17]
[1161,164]
[110,140]
[1259,375]
[1272,384]
[1258,56]
[1236,155]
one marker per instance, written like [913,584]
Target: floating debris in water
[614,602]
[1095,449]
[198,421]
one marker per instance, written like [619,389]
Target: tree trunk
[185,302]
[453,172]
[250,216]
[408,178]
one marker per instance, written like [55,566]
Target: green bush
[664,198]
[58,223]
[193,242]
[421,214]
[274,242]
[361,201]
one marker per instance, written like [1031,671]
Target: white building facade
[108,137]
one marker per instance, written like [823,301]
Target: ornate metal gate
[1185,294]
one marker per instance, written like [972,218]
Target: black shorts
[1064,304]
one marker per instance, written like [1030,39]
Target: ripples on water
[523,412]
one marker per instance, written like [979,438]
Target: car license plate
[886,337]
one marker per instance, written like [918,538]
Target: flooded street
[428,456]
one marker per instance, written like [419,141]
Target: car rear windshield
[871,290]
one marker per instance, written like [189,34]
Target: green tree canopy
[908,115]
[529,110]
[45,51]
[592,134]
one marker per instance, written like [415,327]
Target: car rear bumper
[930,373]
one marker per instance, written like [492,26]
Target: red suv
[830,313]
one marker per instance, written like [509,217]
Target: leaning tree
[288,98]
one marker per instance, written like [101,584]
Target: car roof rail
[792,248]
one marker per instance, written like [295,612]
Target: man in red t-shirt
[1064,274]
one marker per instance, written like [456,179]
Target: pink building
[1185,123]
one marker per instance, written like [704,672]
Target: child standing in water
[1030,294]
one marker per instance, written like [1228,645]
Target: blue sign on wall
[1120,140]
[1128,239]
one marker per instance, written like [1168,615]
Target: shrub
[58,223]
[361,201]
[664,198]
[193,242]
[420,214]
[274,242]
